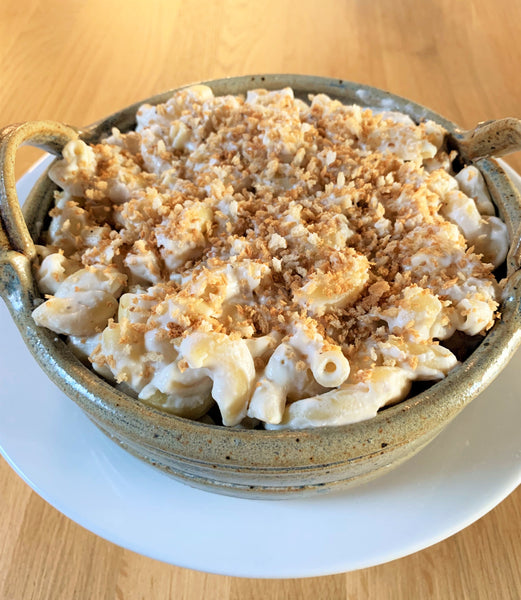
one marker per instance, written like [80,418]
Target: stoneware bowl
[252,463]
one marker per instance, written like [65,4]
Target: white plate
[464,473]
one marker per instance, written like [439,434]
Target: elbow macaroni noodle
[292,264]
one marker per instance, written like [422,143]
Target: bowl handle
[490,138]
[16,245]
[49,136]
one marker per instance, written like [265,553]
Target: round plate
[454,481]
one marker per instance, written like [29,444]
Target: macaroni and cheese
[295,264]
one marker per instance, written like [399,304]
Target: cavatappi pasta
[294,264]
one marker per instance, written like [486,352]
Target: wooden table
[77,61]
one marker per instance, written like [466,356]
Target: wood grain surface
[77,61]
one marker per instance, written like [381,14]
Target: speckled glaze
[253,464]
